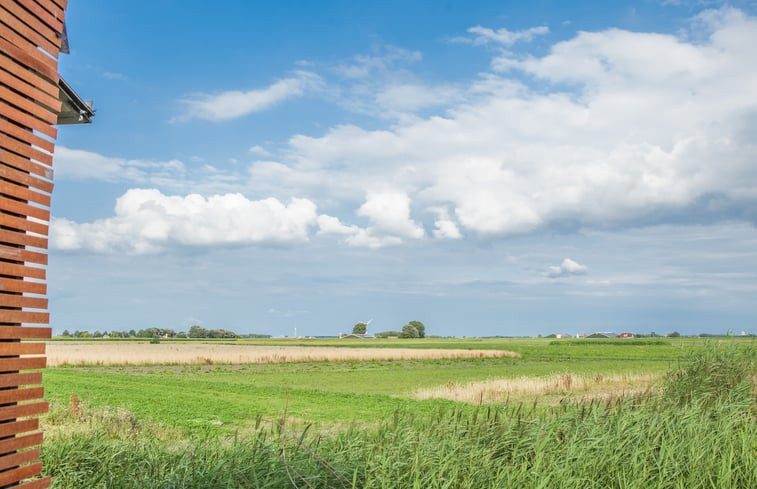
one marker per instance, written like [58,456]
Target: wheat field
[129,353]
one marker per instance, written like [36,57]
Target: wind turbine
[367,323]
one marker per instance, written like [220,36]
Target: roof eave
[74,110]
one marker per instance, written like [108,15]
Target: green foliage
[156,333]
[387,334]
[197,331]
[419,327]
[413,329]
[359,328]
[409,331]
[712,374]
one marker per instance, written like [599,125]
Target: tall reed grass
[697,431]
[501,390]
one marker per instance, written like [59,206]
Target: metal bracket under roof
[73,109]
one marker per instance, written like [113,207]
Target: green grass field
[354,424]
[197,396]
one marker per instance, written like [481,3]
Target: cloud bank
[631,128]
[607,129]
[147,221]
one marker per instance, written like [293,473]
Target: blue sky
[489,168]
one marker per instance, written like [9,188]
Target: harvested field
[123,353]
[499,390]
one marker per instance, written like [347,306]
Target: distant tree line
[142,333]
[195,331]
[200,332]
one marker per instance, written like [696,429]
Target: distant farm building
[603,334]
[625,335]
[353,335]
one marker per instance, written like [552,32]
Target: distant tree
[420,327]
[359,328]
[386,334]
[97,334]
[65,333]
[132,333]
[197,331]
[674,334]
[219,333]
[409,331]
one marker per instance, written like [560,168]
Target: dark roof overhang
[73,109]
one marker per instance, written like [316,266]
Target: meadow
[403,421]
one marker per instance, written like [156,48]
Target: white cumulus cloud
[566,268]
[625,127]
[389,213]
[390,224]
[445,227]
[147,221]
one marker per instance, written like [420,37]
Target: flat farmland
[387,414]
[196,385]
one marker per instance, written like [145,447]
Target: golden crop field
[131,353]
[552,386]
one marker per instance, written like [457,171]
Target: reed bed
[500,390]
[129,353]
[697,431]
